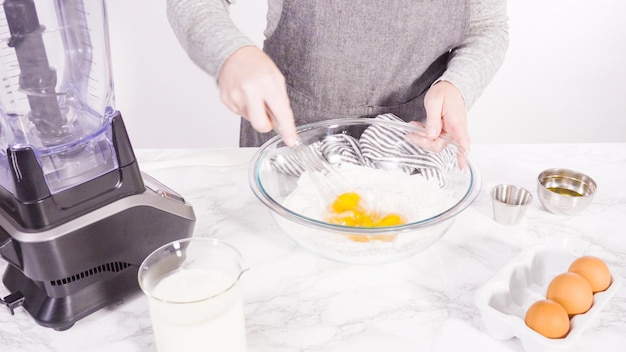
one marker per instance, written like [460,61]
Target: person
[423,61]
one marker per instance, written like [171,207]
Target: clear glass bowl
[450,169]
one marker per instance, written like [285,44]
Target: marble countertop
[297,301]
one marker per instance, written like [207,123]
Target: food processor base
[60,313]
[103,257]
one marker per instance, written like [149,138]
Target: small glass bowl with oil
[565,191]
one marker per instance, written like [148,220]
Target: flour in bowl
[413,197]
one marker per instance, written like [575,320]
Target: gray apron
[355,58]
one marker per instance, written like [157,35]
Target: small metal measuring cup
[509,203]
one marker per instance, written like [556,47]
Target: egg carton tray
[505,298]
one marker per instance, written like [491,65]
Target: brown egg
[548,318]
[594,270]
[572,291]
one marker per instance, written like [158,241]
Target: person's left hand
[446,113]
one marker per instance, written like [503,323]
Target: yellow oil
[565,191]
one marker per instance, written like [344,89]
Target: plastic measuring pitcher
[56,95]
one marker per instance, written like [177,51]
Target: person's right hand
[253,87]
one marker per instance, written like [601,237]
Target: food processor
[77,216]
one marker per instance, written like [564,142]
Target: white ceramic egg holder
[505,298]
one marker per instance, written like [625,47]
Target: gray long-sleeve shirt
[209,36]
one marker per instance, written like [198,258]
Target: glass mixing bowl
[429,189]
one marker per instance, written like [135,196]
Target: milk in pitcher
[211,319]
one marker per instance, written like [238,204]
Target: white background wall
[563,79]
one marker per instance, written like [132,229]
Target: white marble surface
[296,301]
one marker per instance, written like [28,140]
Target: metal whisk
[325,176]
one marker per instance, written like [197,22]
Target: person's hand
[446,113]
[253,87]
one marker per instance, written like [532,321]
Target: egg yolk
[346,202]
[346,210]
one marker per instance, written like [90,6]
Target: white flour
[412,196]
